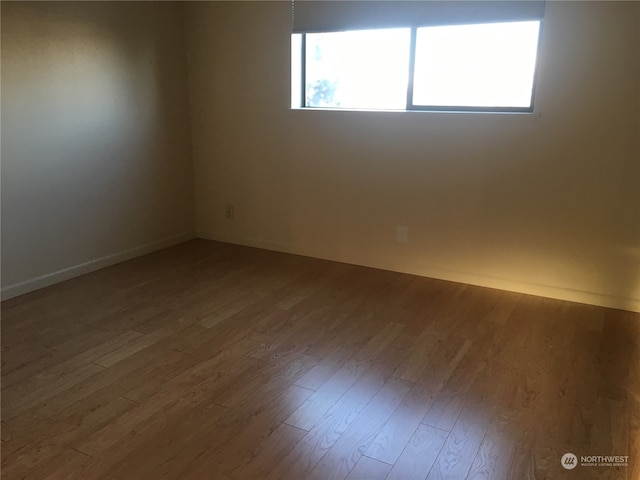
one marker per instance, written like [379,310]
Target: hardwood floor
[215,361]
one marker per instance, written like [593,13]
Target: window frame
[410,106]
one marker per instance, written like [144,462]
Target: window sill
[421,111]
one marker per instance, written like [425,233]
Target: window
[468,67]
[357,69]
[486,65]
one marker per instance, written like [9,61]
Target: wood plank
[369,469]
[347,450]
[139,453]
[314,409]
[210,442]
[103,387]
[22,399]
[459,450]
[452,398]
[179,394]
[419,455]
[70,464]
[421,349]
[250,441]
[396,433]
[496,450]
[44,448]
[259,386]
[266,456]
[326,432]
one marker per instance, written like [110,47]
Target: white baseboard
[560,293]
[42,281]
[548,291]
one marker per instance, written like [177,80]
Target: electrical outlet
[230,212]
[402,234]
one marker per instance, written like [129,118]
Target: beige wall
[96,160]
[546,204]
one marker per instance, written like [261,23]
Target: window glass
[365,69]
[484,65]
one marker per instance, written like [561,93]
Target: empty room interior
[320,240]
